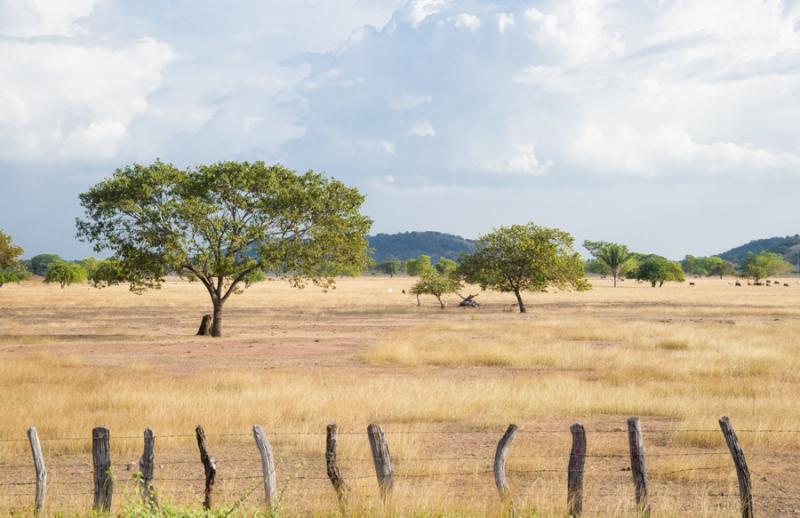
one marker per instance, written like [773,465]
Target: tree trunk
[521,304]
[441,302]
[216,325]
[653,284]
[615,279]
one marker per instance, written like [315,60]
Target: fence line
[385,474]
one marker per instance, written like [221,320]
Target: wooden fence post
[638,470]
[41,471]
[577,460]
[382,460]
[103,478]
[742,472]
[146,467]
[267,466]
[331,465]
[209,466]
[500,467]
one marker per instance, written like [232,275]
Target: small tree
[657,270]
[436,284]
[616,257]
[11,268]
[720,267]
[107,272]
[596,267]
[391,267]
[65,274]
[42,262]
[524,258]
[763,264]
[220,223]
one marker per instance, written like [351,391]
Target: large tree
[65,274]
[222,224]
[11,268]
[763,264]
[616,257]
[524,258]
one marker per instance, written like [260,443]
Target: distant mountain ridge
[788,247]
[407,245]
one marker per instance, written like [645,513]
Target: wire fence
[429,468]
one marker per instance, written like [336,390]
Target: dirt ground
[343,356]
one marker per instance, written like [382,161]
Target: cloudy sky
[670,125]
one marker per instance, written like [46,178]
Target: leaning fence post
[638,470]
[41,471]
[742,472]
[209,465]
[146,468]
[331,465]
[267,466]
[382,460]
[577,459]
[500,466]
[103,478]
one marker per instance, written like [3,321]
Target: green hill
[407,245]
[788,247]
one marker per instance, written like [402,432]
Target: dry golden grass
[444,384]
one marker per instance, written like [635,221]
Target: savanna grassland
[444,384]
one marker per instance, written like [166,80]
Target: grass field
[444,384]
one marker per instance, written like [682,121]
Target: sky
[668,125]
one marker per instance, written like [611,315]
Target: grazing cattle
[757,283]
[785,284]
[691,284]
[739,283]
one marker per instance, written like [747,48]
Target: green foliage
[407,245]
[107,272]
[446,266]
[419,266]
[222,222]
[657,270]
[89,265]
[524,258]
[616,257]
[391,267]
[763,264]
[596,267]
[707,266]
[432,282]
[11,268]
[65,273]
[39,264]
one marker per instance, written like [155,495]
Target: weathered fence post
[382,460]
[41,471]
[742,472]
[331,466]
[103,478]
[577,459]
[267,466]
[209,465]
[500,467]
[638,470]
[146,463]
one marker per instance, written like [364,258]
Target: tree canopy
[763,264]
[524,258]
[707,266]
[11,268]
[419,266]
[391,267]
[657,270]
[64,274]
[39,264]
[220,223]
